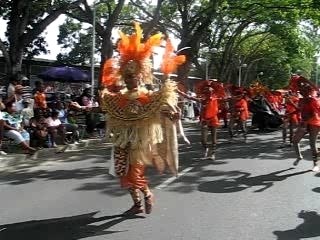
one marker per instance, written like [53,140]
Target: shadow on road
[308,229]
[317,189]
[236,184]
[66,228]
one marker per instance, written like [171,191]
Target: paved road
[250,192]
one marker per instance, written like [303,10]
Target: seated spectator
[69,127]
[27,112]
[13,128]
[38,129]
[1,128]
[55,127]
[17,98]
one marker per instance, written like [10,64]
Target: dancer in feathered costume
[291,116]
[142,123]
[239,112]
[208,93]
[309,108]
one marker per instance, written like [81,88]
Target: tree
[107,14]
[26,21]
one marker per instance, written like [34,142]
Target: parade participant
[291,117]
[309,108]
[223,111]
[208,94]
[142,123]
[239,113]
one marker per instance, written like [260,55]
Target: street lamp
[258,75]
[317,68]
[242,65]
[93,46]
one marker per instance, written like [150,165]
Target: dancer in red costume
[309,108]
[209,93]
[223,111]
[291,117]
[239,113]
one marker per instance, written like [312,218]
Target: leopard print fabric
[121,161]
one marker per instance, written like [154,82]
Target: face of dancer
[132,81]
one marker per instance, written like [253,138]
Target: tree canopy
[272,37]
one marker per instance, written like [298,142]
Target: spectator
[13,81]
[38,87]
[27,90]
[69,127]
[13,128]
[40,97]
[1,128]
[27,112]
[38,128]
[86,100]
[55,127]
[16,97]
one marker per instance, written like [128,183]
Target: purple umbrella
[64,74]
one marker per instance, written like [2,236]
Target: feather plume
[171,61]
[109,73]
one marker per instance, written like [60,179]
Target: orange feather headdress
[171,61]
[257,88]
[134,58]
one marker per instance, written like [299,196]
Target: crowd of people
[296,109]
[31,121]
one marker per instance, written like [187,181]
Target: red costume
[291,109]
[210,110]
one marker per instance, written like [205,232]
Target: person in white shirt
[55,127]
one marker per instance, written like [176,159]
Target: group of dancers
[296,108]
[144,124]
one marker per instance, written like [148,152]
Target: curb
[14,159]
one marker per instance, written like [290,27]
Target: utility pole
[93,47]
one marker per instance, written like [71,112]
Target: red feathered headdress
[202,88]
[299,83]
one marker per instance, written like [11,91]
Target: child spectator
[55,127]
[27,112]
[38,129]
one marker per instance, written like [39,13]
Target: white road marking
[167,182]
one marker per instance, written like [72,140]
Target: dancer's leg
[313,135]
[135,181]
[204,138]
[213,131]
[284,132]
[301,131]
